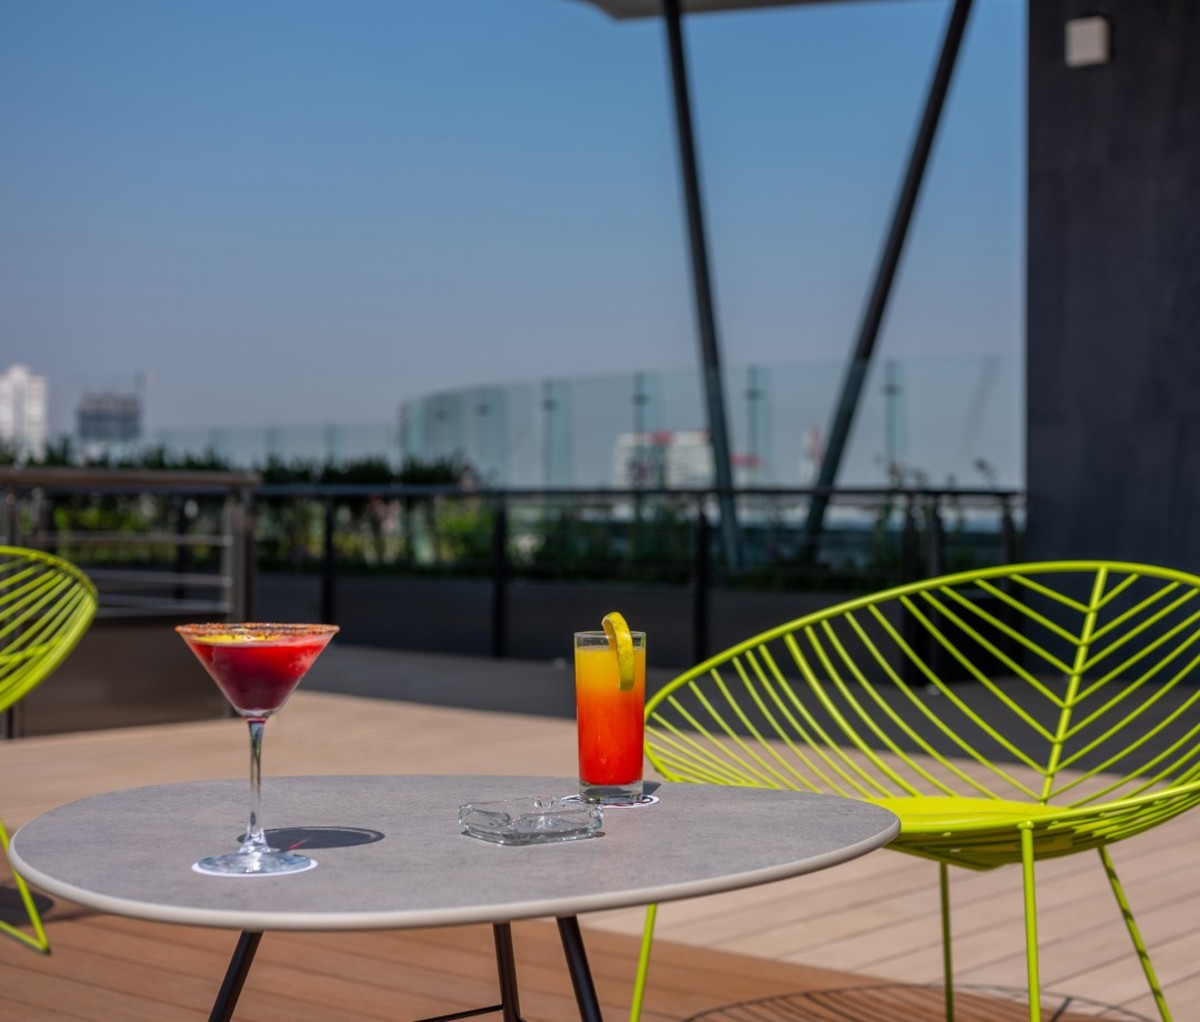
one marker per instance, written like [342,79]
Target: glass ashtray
[535,820]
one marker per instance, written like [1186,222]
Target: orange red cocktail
[609,719]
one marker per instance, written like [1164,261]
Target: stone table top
[391,853]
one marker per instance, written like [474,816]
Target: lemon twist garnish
[621,641]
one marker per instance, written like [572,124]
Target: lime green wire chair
[46,605]
[1078,728]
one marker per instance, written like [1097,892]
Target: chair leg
[39,940]
[947,960]
[643,965]
[1134,935]
[1031,937]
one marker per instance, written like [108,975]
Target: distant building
[108,420]
[23,411]
[675,459]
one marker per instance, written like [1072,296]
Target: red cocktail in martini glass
[256,666]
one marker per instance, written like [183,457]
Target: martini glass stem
[255,841]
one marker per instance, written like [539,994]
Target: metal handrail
[122,538]
[124,479]
[35,489]
[158,578]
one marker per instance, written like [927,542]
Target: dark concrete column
[1113,356]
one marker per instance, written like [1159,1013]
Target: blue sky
[293,211]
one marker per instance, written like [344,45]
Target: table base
[506,969]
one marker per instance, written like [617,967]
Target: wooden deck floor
[869,923]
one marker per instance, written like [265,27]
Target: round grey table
[391,855]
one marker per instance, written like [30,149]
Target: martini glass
[256,666]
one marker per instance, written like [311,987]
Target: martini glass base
[253,864]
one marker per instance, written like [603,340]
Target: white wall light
[1087,41]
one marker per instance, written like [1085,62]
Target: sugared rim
[249,630]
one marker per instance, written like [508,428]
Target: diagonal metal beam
[706,322]
[885,274]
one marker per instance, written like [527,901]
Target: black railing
[192,543]
[886,536]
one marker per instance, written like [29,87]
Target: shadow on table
[304,838]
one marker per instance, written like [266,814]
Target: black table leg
[235,977]
[506,967]
[581,974]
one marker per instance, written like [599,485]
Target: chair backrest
[46,604]
[1063,681]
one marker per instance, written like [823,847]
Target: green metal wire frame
[46,605]
[1079,727]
